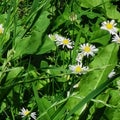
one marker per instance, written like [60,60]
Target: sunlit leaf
[102,65]
[100,36]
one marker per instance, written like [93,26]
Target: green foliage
[39,43]
[103,65]
[90,4]
[101,37]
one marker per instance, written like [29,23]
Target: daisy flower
[116,38]
[25,112]
[1,29]
[88,50]
[78,69]
[111,74]
[110,26]
[62,41]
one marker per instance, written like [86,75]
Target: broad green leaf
[46,46]
[30,45]
[111,11]
[90,3]
[102,65]
[87,98]
[27,45]
[45,108]
[42,23]
[14,72]
[100,36]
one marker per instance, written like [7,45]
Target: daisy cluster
[110,26]
[85,50]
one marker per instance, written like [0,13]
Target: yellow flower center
[109,26]
[26,112]
[78,69]
[65,41]
[87,49]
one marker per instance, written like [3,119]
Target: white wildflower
[25,112]
[78,69]
[110,26]
[62,41]
[88,50]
